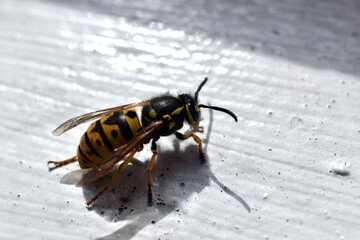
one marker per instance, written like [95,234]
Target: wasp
[119,133]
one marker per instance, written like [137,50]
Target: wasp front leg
[200,129]
[196,139]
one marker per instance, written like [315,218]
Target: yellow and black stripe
[105,135]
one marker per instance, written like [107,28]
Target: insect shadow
[176,175]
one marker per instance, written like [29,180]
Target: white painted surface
[288,69]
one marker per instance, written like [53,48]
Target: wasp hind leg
[196,139]
[149,168]
[62,163]
[120,169]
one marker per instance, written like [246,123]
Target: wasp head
[193,108]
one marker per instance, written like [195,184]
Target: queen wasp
[119,133]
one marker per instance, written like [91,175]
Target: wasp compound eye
[192,115]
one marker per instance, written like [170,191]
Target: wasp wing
[119,153]
[73,122]
[74,177]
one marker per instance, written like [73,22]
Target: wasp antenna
[199,88]
[221,110]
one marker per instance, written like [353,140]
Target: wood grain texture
[289,69]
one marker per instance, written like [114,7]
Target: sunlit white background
[289,168]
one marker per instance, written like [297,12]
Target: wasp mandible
[119,133]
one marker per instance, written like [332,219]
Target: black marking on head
[98,129]
[91,147]
[98,142]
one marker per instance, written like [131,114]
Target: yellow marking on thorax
[167,117]
[152,114]
[177,111]
[172,124]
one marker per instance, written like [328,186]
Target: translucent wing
[74,177]
[118,154]
[73,122]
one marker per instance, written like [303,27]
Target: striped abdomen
[106,134]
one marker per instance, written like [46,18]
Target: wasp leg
[200,129]
[149,168]
[196,139]
[61,163]
[121,168]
